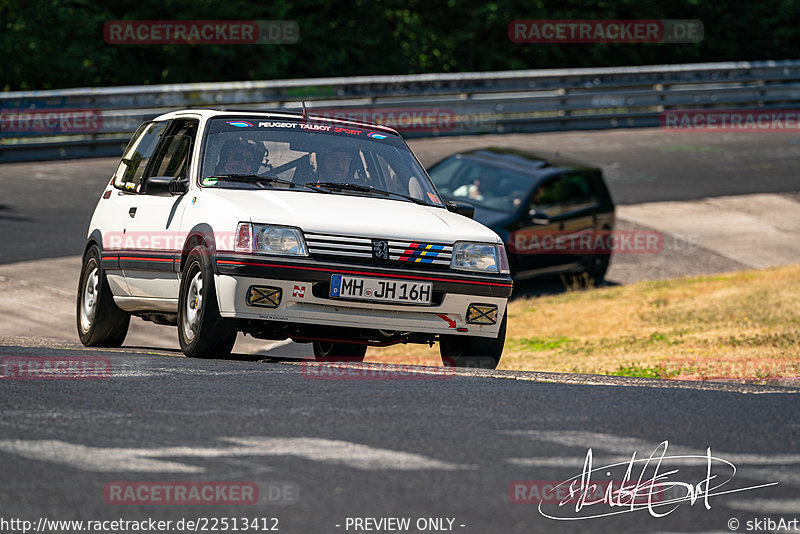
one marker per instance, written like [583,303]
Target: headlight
[479,257]
[270,239]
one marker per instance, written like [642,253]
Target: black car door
[549,237]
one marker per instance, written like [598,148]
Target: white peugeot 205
[288,226]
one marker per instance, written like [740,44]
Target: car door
[119,207]
[155,217]
[533,238]
[579,217]
[557,233]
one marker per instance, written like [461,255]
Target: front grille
[368,250]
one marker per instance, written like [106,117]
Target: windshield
[483,186]
[254,152]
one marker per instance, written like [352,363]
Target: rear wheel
[476,352]
[202,332]
[593,273]
[339,352]
[100,322]
[597,267]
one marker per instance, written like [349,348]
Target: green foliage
[635,370]
[538,344]
[59,43]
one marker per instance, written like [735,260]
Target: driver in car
[335,166]
[238,157]
[481,187]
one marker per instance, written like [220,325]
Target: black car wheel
[597,267]
[100,321]
[202,332]
[475,352]
[592,275]
[339,352]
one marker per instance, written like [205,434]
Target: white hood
[350,215]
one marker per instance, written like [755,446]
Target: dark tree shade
[59,43]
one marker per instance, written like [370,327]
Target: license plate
[381,289]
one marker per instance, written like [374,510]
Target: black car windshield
[482,185]
[258,152]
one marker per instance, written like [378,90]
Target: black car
[549,210]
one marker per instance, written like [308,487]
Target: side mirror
[538,217]
[179,187]
[462,208]
[165,185]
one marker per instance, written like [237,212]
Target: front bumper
[305,300]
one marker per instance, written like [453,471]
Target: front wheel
[339,352]
[202,332]
[100,322]
[475,352]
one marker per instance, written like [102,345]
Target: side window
[564,194]
[579,193]
[550,197]
[137,155]
[172,158]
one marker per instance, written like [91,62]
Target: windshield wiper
[366,189]
[348,186]
[412,199]
[256,179]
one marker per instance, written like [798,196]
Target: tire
[339,352]
[99,320]
[597,268]
[474,352]
[202,332]
[592,275]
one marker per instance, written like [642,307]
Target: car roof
[537,164]
[208,113]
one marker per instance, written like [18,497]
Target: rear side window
[134,162]
[564,194]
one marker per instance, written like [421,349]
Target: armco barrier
[472,103]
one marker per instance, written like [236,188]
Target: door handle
[132,212]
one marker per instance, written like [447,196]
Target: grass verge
[729,326]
